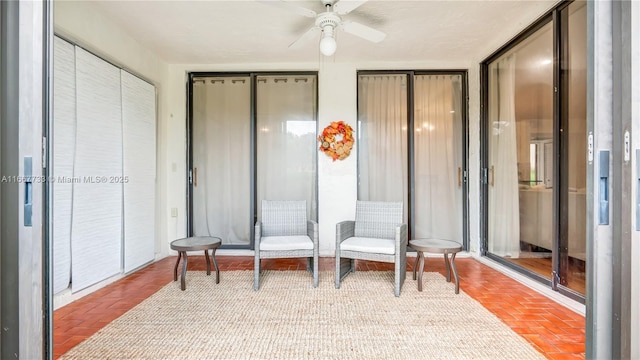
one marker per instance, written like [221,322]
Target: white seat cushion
[283,243]
[369,245]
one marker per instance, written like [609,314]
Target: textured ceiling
[209,32]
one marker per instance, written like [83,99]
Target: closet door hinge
[190,176]
[485,176]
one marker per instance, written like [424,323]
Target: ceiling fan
[328,21]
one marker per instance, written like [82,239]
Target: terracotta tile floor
[554,330]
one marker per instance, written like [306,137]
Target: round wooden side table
[195,243]
[437,246]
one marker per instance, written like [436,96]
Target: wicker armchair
[285,232]
[377,234]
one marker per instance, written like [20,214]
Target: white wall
[337,100]
[337,181]
[82,23]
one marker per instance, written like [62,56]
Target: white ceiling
[247,31]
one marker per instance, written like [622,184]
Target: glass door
[221,158]
[382,138]
[439,170]
[252,137]
[573,70]
[286,140]
[536,152]
[411,128]
[521,143]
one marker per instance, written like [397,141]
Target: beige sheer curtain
[504,204]
[286,140]
[221,136]
[382,138]
[438,157]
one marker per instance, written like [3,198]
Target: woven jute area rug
[289,319]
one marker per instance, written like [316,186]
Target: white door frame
[22,263]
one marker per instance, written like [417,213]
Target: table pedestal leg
[183,285]
[206,257]
[455,273]
[215,264]
[447,266]
[421,265]
[175,269]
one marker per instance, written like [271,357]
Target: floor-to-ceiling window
[535,163]
[411,133]
[252,138]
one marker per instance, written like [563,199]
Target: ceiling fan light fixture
[328,44]
[329,21]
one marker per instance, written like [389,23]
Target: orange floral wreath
[337,140]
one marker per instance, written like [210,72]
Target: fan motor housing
[327,19]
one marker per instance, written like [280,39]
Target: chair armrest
[401,237]
[344,230]
[312,232]
[258,235]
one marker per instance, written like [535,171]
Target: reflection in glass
[301,128]
[524,151]
[521,153]
[573,249]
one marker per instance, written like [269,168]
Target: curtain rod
[221,81]
[234,81]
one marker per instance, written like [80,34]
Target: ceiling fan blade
[363,31]
[291,7]
[346,6]
[305,37]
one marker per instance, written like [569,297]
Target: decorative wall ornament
[336,140]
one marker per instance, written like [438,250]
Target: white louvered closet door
[64,140]
[96,237]
[139,146]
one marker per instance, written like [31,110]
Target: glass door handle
[28,191]
[604,188]
[195,177]
[493,172]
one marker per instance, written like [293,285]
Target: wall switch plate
[174,212]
